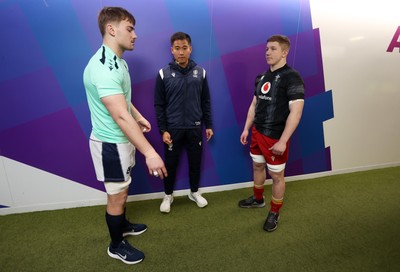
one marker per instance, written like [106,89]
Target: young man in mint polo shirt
[117,127]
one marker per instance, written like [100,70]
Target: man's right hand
[243,137]
[156,165]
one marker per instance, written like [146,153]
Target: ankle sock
[258,191]
[114,224]
[125,221]
[276,204]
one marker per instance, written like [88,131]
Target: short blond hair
[283,41]
[113,14]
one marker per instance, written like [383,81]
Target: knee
[258,167]
[118,200]
[277,177]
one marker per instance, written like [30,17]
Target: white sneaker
[196,197]
[165,206]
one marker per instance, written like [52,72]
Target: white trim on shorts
[271,167]
[126,156]
[113,188]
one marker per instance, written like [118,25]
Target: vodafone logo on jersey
[266,87]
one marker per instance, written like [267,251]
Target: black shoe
[133,229]
[272,221]
[251,202]
[126,253]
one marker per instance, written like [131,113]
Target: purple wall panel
[44,117]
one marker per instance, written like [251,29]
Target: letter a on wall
[395,41]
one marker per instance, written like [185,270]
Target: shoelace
[126,248]
[271,218]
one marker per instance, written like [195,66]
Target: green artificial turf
[347,222]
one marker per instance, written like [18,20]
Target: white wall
[365,80]
[33,189]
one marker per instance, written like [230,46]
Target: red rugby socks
[276,204]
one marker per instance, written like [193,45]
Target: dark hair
[181,36]
[281,39]
[113,14]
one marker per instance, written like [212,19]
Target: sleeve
[107,82]
[160,103]
[295,88]
[206,104]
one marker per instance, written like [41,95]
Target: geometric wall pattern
[45,120]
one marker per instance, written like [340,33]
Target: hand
[243,137]
[156,166]
[278,148]
[144,125]
[166,137]
[209,133]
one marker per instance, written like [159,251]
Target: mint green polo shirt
[106,74]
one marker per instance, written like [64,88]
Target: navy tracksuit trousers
[191,140]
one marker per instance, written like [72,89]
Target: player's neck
[114,47]
[277,65]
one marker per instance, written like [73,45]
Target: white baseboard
[247,184]
[160,195]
